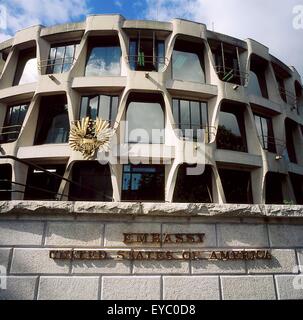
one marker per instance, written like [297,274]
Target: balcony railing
[147,63]
[232,75]
[189,132]
[290,99]
[51,64]
[9,133]
[272,144]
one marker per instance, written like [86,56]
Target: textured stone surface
[19,288]
[68,288]
[112,208]
[286,235]
[242,235]
[248,288]
[283,261]
[300,259]
[218,267]
[208,229]
[36,207]
[160,267]
[286,287]
[114,233]
[101,267]
[74,234]
[152,209]
[191,288]
[30,261]
[130,288]
[21,233]
[4,256]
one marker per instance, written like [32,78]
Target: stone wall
[29,230]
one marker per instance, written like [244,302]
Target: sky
[270,22]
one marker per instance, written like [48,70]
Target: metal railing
[209,131]
[146,63]
[50,64]
[9,130]
[289,98]
[274,145]
[232,75]
[56,193]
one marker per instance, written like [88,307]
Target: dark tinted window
[231,131]
[93,182]
[43,186]
[13,122]
[143,183]
[273,186]
[5,181]
[297,183]
[236,186]
[53,123]
[193,188]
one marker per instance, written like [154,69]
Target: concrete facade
[214,91]
[27,238]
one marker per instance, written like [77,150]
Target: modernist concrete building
[148,75]
[249,103]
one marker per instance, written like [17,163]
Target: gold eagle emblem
[87,136]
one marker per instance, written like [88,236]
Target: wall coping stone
[17,207]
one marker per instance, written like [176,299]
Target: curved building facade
[158,84]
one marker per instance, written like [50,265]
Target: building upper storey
[110,45]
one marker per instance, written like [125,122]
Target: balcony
[142,62]
[232,75]
[10,133]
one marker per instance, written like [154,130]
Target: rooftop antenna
[213,26]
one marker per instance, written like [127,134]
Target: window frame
[89,97]
[180,123]
[51,63]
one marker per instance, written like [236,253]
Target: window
[227,65]
[53,122]
[5,181]
[146,54]
[104,55]
[236,186]
[41,185]
[27,68]
[231,131]
[265,132]
[92,182]
[13,122]
[297,183]
[61,58]
[190,115]
[145,118]
[193,188]
[102,106]
[273,188]
[188,61]
[290,127]
[257,80]
[143,183]
[254,85]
